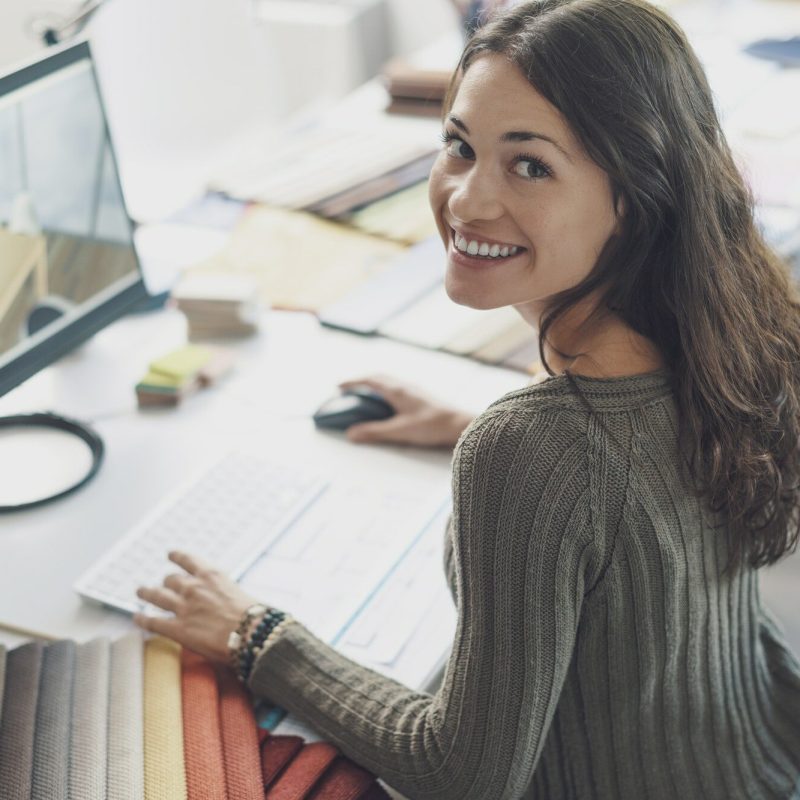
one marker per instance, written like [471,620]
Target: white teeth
[475,248]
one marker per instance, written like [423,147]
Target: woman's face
[522,210]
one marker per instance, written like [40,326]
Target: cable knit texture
[600,651]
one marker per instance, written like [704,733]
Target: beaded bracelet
[237,637]
[254,644]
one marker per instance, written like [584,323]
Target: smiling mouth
[491,251]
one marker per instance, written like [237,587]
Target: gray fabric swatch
[89,748]
[23,667]
[53,712]
[2,676]
[125,720]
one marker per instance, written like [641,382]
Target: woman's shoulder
[567,423]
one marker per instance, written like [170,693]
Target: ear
[620,209]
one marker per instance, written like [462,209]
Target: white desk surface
[281,376]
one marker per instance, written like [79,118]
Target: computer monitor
[68,266]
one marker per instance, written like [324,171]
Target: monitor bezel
[74,333]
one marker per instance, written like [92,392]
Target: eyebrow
[514,136]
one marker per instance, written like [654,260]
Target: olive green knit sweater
[600,650]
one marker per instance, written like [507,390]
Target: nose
[476,195]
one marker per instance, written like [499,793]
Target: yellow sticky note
[183,363]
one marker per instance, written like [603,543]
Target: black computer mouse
[351,407]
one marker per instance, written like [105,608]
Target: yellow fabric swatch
[164,769]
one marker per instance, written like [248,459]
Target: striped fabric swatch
[23,668]
[302,774]
[239,739]
[54,723]
[202,737]
[88,754]
[164,776]
[125,720]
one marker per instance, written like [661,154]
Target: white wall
[415,23]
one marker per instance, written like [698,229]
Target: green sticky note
[182,364]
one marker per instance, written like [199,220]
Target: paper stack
[178,374]
[218,305]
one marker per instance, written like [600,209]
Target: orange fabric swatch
[276,753]
[305,769]
[239,739]
[202,737]
[343,781]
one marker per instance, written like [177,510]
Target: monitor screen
[68,266]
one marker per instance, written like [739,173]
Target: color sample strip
[202,736]
[50,778]
[302,774]
[23,668]
[125,723]
[239,739]
[164,775]
[88,754]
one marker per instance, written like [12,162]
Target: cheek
[437,195]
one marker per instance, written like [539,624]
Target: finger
[179,582]
[158,596]
[192,564]
[163,626]
[386,387]
[390,430]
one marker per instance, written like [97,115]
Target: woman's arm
[524,555]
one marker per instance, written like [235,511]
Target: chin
[465,295]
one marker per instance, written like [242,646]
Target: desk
[282,375]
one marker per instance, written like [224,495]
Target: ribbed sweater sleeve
[525,553]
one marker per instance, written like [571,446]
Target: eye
[455,147]
[531,168]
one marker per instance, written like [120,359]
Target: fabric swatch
[88,754]
[239,739]
[164,775]
[50,776]
[125,719]
[20,695]
[276,753]
[202,737]
[344,780]
[302,774]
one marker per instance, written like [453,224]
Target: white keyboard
[228,514]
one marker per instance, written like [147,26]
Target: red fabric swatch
[239,739]
[343,781]
[276,753]
[202,738]
[305,769]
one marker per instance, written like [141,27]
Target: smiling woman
[607,522]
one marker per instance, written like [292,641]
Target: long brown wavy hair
[690,270]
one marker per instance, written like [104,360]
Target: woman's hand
[207,605]
[419,420]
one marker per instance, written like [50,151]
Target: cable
[54,421]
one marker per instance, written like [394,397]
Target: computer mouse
[351,407]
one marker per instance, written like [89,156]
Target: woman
[607,522]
